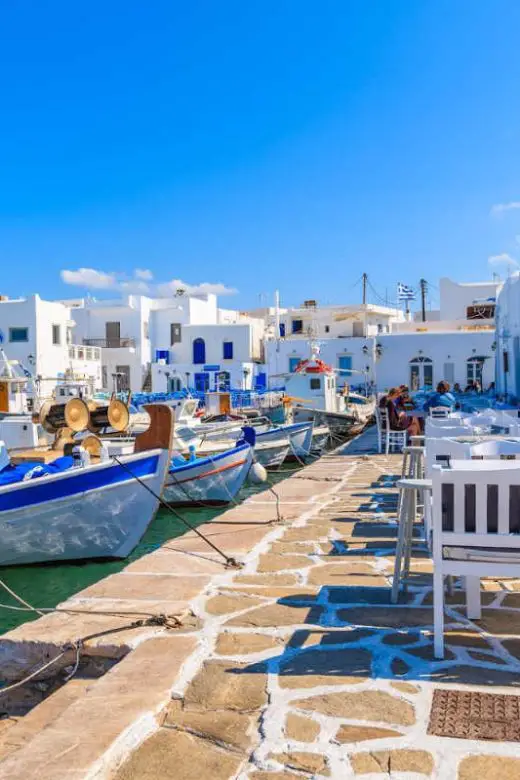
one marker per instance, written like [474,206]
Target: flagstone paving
[330,679]
[304,669]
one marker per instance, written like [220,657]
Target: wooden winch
[75,415]
[115,416]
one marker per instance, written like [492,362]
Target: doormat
[474,715]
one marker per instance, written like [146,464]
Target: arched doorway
[421,372]
[199,351]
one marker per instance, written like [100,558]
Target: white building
[381,344]
[164,344]
[508,339]
[38,333]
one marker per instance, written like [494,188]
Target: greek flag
[404,292]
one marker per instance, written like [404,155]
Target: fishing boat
[269,454]
[299,435]
[84,507]
[314,385]
[213,480]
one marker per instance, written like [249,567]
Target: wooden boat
[214,479]
[95,508]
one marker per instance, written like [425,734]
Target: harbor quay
[292,663]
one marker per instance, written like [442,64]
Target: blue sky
[257,145]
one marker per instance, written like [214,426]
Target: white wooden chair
[439,412]
[476,530]
[386,436]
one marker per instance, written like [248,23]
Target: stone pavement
[296,666]
[310,672]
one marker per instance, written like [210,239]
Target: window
[56,335]
[122,379]
[345,365]
[421,373]
[474,366]
[199,351]
[104,377]
[113,334]
[223,380]
[175,333]
[18,334]
[327,328]
[297,326]
[89,354]
[315,383]
[358,329]
[481,311]
[146,330]
[293,362]
[282,330]
[228,350]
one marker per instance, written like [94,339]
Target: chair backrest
[438,451]
[439,412]
[382,419]
[476,504]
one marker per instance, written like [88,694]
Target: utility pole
[365,279]
[424,286]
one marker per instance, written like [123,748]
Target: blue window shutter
[228,350]
[282,330]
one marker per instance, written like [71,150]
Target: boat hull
[96,512]
[211,480]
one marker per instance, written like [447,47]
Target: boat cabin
[313,384]
[218,403]
[13,386]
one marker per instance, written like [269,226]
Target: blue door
[202,382]
[261,381]
[199,351]
[345,365]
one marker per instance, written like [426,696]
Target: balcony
[116,343]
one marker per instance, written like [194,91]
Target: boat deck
[294,666]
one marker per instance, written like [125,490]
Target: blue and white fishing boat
[215,479]
[96,508]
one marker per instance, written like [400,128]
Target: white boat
[94,510]
[320,438]
[268,453]
[299,435]
[214,479]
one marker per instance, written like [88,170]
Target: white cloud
[499,208]
[166,289]
[89,278]
[503,259]
[143,273]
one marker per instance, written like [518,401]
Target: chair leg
[438,613]
[473,605]
[410,522]
[399,550]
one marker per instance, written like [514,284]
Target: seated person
[405,400]
[397,418]
[457,388]
[442,397]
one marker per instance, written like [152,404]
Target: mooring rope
[230,561]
